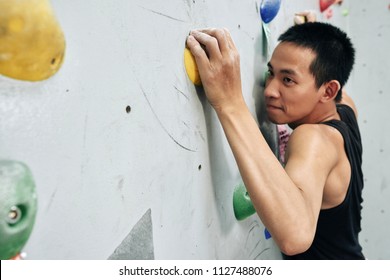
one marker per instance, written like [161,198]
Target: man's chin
[274,120]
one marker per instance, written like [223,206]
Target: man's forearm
[277,200]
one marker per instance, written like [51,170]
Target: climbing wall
[128,158]
[370,30]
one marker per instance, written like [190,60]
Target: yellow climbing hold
[32,44]
[191,67]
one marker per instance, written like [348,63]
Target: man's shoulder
[310,142]
[308,131]
[315,137]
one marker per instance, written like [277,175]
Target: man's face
[291,93]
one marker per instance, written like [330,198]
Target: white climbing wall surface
[128,158]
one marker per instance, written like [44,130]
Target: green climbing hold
[18,207]
[242,203]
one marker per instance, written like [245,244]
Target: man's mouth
[273,107]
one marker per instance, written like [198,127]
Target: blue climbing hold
[267,234]
[269,9]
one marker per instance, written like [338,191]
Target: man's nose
[271,89]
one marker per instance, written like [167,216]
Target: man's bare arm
[347,100]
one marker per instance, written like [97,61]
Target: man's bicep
[308,165]
[308,179]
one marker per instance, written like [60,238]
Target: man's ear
[331,89]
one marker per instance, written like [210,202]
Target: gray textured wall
[369,24]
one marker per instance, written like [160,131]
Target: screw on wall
[128,109]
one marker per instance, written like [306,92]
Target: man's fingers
[229,39]
[198,52]
[209,42]
[214,52]
[222,38]
[196,48]
[309,16]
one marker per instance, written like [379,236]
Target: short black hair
[335,54]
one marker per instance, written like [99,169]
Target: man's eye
[287,80]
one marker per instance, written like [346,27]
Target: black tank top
[338,227]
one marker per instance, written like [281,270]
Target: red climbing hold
[324,4]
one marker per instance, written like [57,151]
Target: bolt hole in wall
[128,109]
[79,176]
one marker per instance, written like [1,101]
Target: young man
[312,206]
